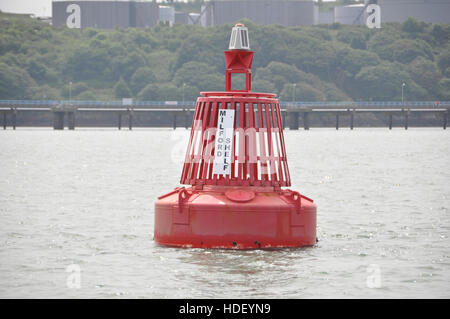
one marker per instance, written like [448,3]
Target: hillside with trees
[326,62]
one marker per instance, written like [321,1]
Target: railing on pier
[292,110]
[285,104]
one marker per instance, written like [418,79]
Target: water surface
[86,197]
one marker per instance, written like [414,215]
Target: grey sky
[38,7]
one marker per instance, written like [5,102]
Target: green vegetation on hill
[327,62]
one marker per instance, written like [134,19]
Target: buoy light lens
[239,38]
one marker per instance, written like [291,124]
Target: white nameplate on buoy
[224,142]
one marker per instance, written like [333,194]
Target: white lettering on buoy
[224,142]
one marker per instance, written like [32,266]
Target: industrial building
[181,17]
[351,14]
[109,14]
[105,14]
[287,13]
[325,17]
[431,11]
[294,13]
[167,14]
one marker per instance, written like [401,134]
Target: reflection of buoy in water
[236,165]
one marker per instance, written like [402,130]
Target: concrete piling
[130,119]
[406,119]
[14,118]
[71,120]
[186,118]
[293,120]
[352,119]
[445,120]
[59,112]
[306,121]
[58,120]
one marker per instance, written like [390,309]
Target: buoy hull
[235,218]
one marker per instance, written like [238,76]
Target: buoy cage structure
[236,167]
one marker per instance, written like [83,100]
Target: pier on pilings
[62,114]
[61,111]
[293,118]
[13,117]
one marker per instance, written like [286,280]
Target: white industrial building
[109,14]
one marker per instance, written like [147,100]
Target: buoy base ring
[208,218]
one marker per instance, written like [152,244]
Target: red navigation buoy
[236,165]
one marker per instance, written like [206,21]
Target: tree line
[325,62]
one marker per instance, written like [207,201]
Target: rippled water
[86,197]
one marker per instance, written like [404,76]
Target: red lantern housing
[236,165]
